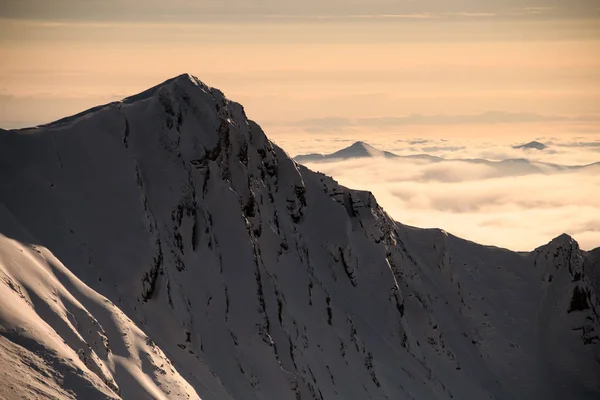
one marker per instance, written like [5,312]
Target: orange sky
[293,70]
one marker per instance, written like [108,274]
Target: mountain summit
[163,247]
[356,150]
[361,149]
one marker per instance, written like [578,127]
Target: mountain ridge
[234,272]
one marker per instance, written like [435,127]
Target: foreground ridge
[163,247]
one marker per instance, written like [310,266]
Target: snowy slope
[163,247]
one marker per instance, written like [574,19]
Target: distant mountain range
[511,166]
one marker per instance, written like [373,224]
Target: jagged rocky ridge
[163,247]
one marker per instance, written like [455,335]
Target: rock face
[163,247]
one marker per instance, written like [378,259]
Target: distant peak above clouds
[361,149]
[357,150]
[531,145]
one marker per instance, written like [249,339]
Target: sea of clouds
[516,209]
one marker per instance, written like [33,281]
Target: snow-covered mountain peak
[356,150]
[563,252]
[185,80]
[359,149]
[564,240]
[362,146]
[163,247]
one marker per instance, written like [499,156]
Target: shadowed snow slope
[163,247]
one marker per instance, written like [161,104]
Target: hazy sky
[187,9]
[289,61]
[315,72]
